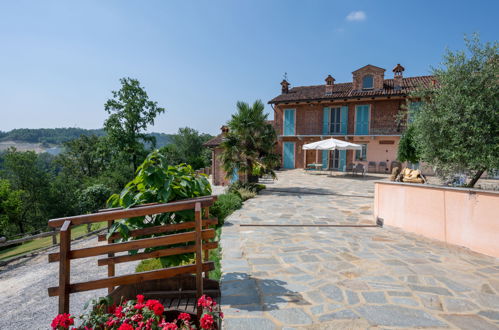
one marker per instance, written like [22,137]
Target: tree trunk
[21,227]
[250,178]
[475,178]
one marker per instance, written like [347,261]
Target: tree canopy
[130,113]
[249,146]
[187,147]
[456,128]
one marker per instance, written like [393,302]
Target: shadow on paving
[244,292]
[307,191]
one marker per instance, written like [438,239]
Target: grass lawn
[39,243]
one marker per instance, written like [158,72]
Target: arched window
[367,82]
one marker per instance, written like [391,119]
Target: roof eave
[338,98]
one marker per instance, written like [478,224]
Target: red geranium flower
[137,318]
[206,321]
[140,298]
[111,322]
[206,302]
[169,326]
[125,326]
[119,312]
[139,306]
[184,317]
[62,320]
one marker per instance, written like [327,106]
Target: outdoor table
[317,166]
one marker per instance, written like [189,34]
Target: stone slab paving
[345,277]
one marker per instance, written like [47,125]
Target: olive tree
[456,129]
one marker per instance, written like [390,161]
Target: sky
[60,60]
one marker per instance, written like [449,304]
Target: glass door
[334,160]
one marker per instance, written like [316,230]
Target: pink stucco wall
[465,217]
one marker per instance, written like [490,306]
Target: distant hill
[45,138]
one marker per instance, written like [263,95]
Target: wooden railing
[200,233]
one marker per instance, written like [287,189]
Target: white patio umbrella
[330,144]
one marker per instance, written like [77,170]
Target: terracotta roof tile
[345,90]
[214,142]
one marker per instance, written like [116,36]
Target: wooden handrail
[197,236]
[155,254]
[214,197]
[134,245]
[133,212]
[132,278]
[160,229]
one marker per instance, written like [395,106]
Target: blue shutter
[289,122]
[325,122]
[343,160]
[413,109]
[289,155]
[344,120]
[235,175]
[358,114]
[325,159]
[362,120]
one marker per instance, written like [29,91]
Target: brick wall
[309,117]
[218,174]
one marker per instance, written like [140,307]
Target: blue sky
[59,60]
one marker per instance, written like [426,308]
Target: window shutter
[344,120]
[325,122]
[366,118]
[289,122]
[325,159]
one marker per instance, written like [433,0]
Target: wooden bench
[160,283]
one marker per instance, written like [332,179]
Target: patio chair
[371,167]
[359,168]
[382,167]
[350,167]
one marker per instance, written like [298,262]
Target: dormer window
[368,82]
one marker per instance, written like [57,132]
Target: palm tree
[249,146]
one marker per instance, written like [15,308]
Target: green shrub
[158,182]
[246,194]
[148,264]
[225,205]
[254,187]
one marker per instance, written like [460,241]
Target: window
[335,121]
[367,82]
[361,155]
[413,109]
[289,122]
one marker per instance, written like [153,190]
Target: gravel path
[24,283]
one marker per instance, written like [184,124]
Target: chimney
[284,86]
[224,129]
[329,85]
[397,76]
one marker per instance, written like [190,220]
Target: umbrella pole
[316,156]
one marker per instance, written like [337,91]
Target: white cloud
[356,16]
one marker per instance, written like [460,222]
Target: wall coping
[434,186]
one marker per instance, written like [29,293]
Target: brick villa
[362,111]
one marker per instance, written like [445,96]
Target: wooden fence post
[199,260]
[64,267]
[207,251]
[110,266]
[54,237]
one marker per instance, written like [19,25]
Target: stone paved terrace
[312,277]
